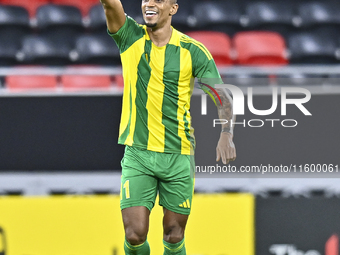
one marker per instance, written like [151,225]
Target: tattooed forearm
[225,111]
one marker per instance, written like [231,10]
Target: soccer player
[159,63]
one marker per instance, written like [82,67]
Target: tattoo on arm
[225,111]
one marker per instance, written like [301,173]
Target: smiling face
[156,13]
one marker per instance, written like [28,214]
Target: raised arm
[115,16]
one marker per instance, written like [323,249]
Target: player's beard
[151,24]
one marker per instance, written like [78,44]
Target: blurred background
[60,102]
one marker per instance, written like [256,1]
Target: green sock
[174,248]
[141,249]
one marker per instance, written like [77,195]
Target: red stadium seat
[85,82]
[119,80]
[31,82]
[260,48]
[31,5]
[218,43]
[84,6]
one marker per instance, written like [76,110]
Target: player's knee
[135,236]
[173,234]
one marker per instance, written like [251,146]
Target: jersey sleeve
[127,34]
[204,67]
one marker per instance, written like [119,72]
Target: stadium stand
[312,48]
[96,19]
[85,82]
[184,19]
[218,16]
[42,50]
[73,32]
[133,9]
[14,25]
[59,21]
[31,6]
[218,43]
[96,49]
[8,49]
[319,14]
[14,17]
[271,16]
[260,48]
[119,81]
[83,6]
[20,83]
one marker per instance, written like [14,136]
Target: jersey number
[127,190]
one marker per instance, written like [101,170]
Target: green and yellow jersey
[158,83]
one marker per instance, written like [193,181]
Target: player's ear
[173,9]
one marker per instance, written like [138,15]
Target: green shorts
[146,173]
